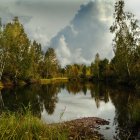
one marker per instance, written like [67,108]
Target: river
[59,102]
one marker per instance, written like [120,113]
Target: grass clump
[14,126]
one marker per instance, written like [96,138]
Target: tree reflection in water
[48,97]
[127,104]
[37,96]
[40,97]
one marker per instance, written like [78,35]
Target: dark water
[67,101]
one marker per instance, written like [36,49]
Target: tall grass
[18,126]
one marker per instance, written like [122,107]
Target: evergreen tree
[96,66]
[103,68]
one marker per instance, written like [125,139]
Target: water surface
[67,101]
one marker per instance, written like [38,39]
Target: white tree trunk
[3,57]
[1,101]
[2,64]
[128,70]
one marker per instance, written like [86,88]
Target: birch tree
[126,40]
[2,52]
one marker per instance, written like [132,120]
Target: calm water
[66,101]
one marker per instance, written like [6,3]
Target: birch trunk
[1,101]
[2,64]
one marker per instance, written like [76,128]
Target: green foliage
[126,43]
[104,68]
[17,44]
[134,110]
[27,127]
[77,71]
[51,65]
[17,52]
[23,60]
[35,59]
[84,71]
[101,68]
[96,66]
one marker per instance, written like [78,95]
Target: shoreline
[53,80]
[28,126]
[85,128]
[39,81]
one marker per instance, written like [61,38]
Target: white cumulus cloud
[87,34]
[63,52]
[67,56]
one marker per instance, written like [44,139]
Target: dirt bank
[85,128]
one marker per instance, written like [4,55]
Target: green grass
[28,127]
[53,80]
[24,126]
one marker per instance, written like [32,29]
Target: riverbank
[32,81]
[54,80]
[84,128]
[18,126]
[27,127]
[107,81]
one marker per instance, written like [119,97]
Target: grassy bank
[53,80]
[27,127]
[41,81]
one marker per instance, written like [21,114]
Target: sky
[76,29]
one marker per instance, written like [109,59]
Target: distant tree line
[23,59]
[124,68]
